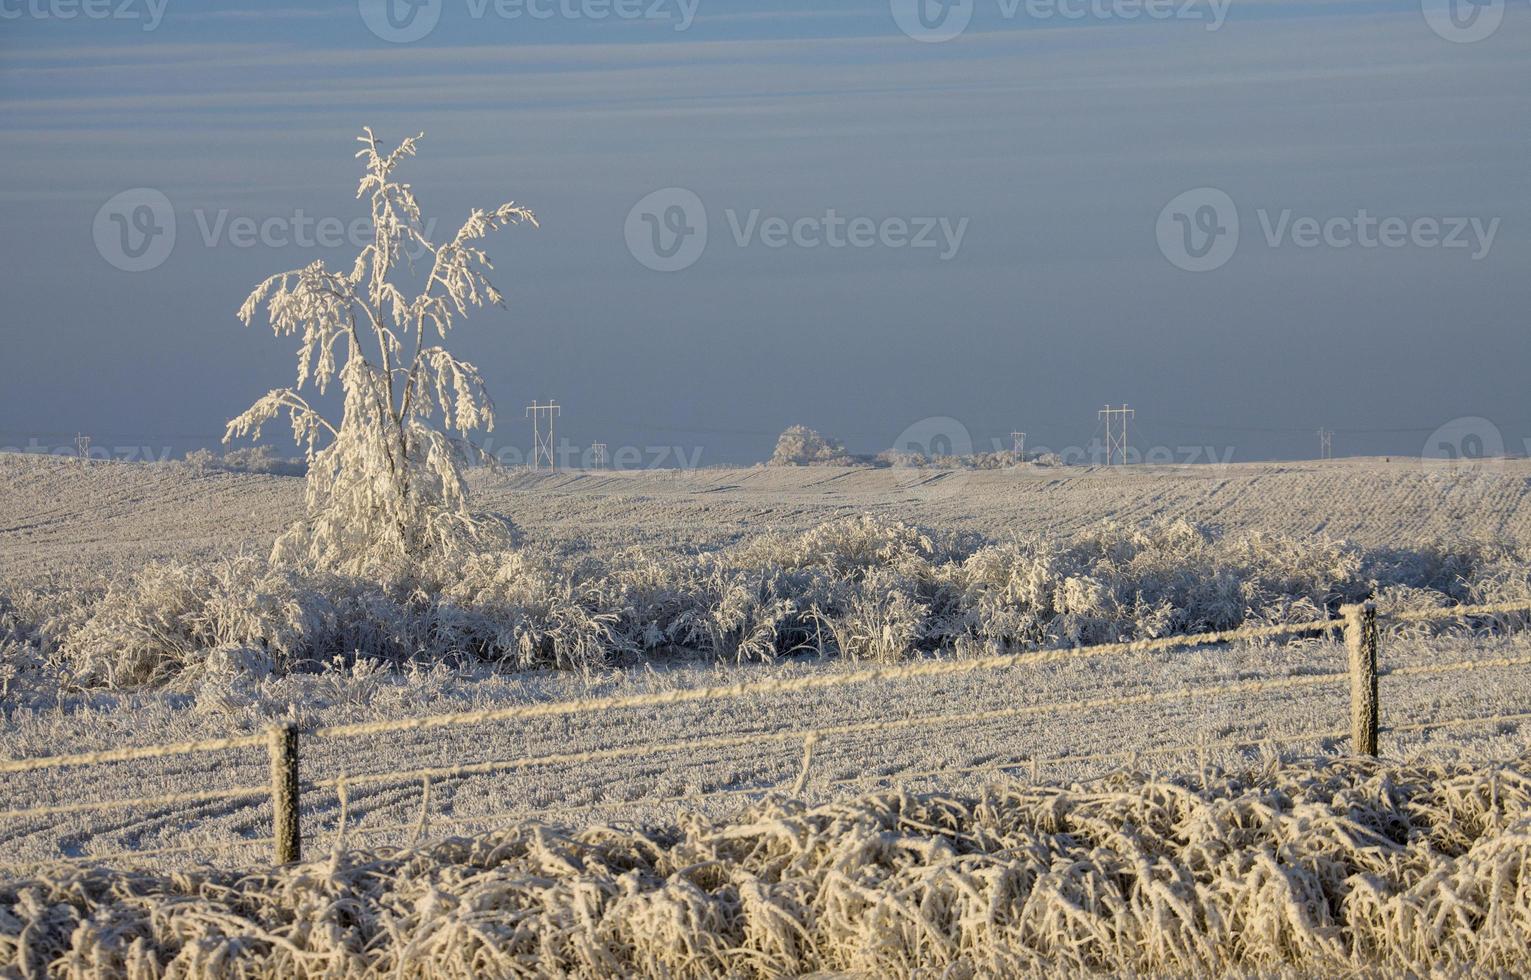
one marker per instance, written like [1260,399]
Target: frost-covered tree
[386,489]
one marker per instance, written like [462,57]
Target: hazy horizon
[983,229]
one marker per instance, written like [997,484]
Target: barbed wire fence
[1359,624]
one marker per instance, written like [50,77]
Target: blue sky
[1056,144]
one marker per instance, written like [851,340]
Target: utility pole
[1018,445]
[542,446]
[599,448]
[1325,444]
[1116,442]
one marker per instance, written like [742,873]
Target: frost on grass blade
[1328,868]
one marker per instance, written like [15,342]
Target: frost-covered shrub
[802,446]
[999,460]
[882,621]
[18,648]
[742,616]
[164,622]
[848,547]
[862,587]
[247,459]
[509,609]
[1434,576]
[202,460]
[994,461]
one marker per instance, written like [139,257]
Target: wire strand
[861,728]
[820,682]
[239,792]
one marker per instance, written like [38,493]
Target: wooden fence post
[1361,640]
[283,746]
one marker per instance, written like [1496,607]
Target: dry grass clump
[1344,868]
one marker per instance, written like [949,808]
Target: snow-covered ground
[63,522]
[672,763]
[58,517]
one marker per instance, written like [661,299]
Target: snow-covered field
[63,518]
[673,767]
[65,525]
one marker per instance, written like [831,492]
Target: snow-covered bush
[162,624]
[246,459]
[995,461]
[386,491]
[862,587]
[18,647]
[510,609]
[971,461]
[802,446]
[882,621]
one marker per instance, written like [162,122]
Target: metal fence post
[1361,641]
[283,745]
